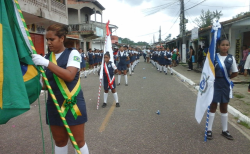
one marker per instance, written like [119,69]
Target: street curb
[231,109]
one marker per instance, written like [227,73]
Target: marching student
[96,59]
[63,63]
[83,64]
[109,79]
[91,57]
[127,62]
[161,59]
[224,64]
[130,52]
[168,58]
[122,65]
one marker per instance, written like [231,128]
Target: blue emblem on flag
[203,83]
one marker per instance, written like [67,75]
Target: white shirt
[234,65]
[74,59]
[122,53]
[247,63]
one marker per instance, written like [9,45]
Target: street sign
[194,33]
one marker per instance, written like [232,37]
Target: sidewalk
[241,100]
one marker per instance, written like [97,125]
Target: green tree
[241,14]
[206,18]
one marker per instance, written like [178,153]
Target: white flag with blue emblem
[206,89]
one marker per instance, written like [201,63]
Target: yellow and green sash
[70,97]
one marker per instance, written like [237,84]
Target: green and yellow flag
[19,77]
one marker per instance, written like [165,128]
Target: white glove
[39,60]
[169,58]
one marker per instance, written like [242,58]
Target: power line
[164,6]
[223,6]
[195,5]
[171,26]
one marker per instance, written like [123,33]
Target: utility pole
[183,31]
[160,35]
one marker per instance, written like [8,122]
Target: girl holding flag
[109,69]
[224,64]
[62,70]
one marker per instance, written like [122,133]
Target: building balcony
[52,10]
[91,29]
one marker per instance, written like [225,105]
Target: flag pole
[99,93]
[48,85]
[205,136]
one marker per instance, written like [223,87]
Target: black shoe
[126,84]
[166,73]
[118,84]
[227,135]
[160,71]
[132,70]
[117,105]
[104,105]
[130,74]
[85,76]
[209,135]
[171,73]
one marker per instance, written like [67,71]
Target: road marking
[106,119]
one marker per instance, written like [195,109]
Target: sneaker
[117,105]
[85,76]
[132,70]
[189,70]
[166,73]
[130,74]
[160,71]
[171,73]
[209,135]
[126,84]
[104,105]
[227,135]
[118,84]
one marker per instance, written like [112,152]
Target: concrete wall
[73,16]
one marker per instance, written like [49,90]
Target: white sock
[126,78]
[129,69]
[115,97]
[105,97]
[211,120]
[119,78]
[61,150]
[85,73]
[84,149]
[224,119]
[166,69]
[171,70]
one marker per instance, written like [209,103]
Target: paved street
[134,128]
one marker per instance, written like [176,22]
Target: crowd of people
[64,67]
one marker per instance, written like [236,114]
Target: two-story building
[39,14]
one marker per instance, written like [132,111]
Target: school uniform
[96,59]
[161,58]
[111,68]
[122,65]
[168,61]
[83,64]
[91,58]
[53,117]
[221,86]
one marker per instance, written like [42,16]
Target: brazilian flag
[19,77]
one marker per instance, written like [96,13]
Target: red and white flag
[107,47]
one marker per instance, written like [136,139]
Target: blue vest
[122,58]
[168,54]
[111,71]
[90,55]
[162,54]
[83,60]
[61,62]
[228,64]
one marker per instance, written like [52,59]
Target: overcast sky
[131,16]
